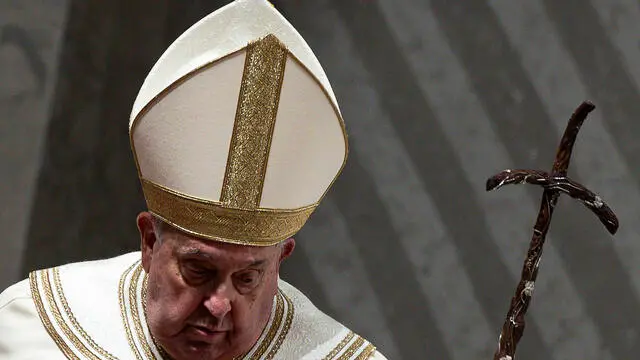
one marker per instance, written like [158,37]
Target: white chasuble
[96,310]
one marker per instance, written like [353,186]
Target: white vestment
[96,310]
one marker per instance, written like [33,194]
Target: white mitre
[236,131]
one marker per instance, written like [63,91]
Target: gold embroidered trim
[285,329]
[273,329]
[133,302]
[336,350]
[254,123]
[44,318]
[53,307]
[123,311]
[72,318]
[145,284]
[212,220]
[366,353]
[352,349]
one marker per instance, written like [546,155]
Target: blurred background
[408,249]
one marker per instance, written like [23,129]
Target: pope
[237,136]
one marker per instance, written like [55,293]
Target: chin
[202,351]
[193,348]
[195,351]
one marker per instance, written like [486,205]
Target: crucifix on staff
[554,183]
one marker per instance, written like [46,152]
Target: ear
[287,248]
[148,238]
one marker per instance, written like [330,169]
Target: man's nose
[218,302]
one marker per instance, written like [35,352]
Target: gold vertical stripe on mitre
[254,123]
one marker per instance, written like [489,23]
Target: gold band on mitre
[214,221]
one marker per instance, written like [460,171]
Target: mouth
[207,332]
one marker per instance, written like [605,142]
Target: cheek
[169,301]
[257,306]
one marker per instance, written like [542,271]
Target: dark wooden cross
[554,184]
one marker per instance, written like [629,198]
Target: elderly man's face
[206,299]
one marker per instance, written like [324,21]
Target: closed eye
[248,280]
[194,273]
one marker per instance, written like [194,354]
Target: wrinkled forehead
[184,245]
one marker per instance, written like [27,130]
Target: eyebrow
[257,263]
[199,253]
[194,252]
